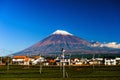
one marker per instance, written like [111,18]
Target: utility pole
[2,51]
[28,62]
[8,61]
[40,69]
[1,58]
[93,60]
[63,62]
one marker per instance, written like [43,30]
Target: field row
[57,72]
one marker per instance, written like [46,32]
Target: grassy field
[16,72]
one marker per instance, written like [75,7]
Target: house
[21,60]
[117,60]
[60,60]
[39,59]
[51,62]
[95,61]
[77,61]
[109,61]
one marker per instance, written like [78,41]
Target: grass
[17,72]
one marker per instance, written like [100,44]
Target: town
[60,60]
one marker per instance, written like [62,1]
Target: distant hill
[63,39]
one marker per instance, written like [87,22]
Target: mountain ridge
[63,39]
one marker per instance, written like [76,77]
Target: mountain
[63,39]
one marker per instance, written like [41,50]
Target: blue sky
[25,22]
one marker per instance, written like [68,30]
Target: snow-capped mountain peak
[62,32]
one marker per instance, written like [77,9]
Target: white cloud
[111,45]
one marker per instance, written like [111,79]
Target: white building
[78,61]
[110,61]
[60,60]
[21,60]
[117,60]
[40,59]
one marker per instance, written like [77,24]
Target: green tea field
[17,72]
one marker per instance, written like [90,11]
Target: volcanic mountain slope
[61,39]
